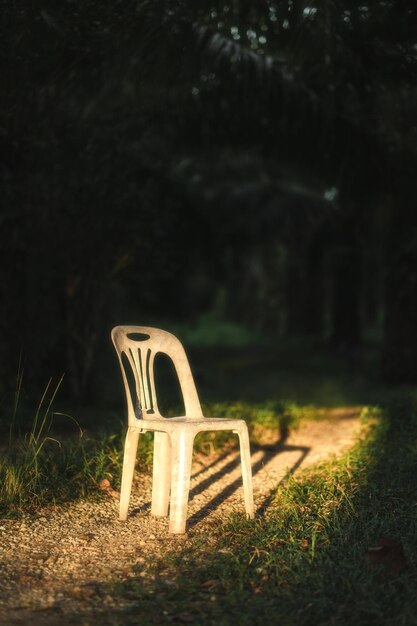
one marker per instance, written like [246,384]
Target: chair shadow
[215,462]
[269,452]
[146,506]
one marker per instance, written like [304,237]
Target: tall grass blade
[47,410]
[19,380]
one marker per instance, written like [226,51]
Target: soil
[61,566]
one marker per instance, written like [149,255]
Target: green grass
[303,561]
[57,472]
[38,467]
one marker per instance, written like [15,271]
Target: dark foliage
[157,152]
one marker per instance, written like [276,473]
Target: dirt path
[59,567]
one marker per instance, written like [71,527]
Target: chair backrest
[139,345]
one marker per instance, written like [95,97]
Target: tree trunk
[314,311]
[346,327]
[399,356]
[295,291]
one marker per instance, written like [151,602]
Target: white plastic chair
[137,347]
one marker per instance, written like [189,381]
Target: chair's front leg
[161,482]
[182,452]
[246,463]
[129,461]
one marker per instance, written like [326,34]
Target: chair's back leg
[245,459]
[161,482]
[129,461]
[182,452]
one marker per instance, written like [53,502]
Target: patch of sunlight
[273,14]
[331,194]
[309,11]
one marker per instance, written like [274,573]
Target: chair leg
[182,452]
[161,482]
[245,459]
[129,461]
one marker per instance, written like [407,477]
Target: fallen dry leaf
[388,554]
[209,584]
[185,617]
[104,485]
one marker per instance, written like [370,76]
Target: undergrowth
[37,467]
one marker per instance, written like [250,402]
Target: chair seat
[193,424]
